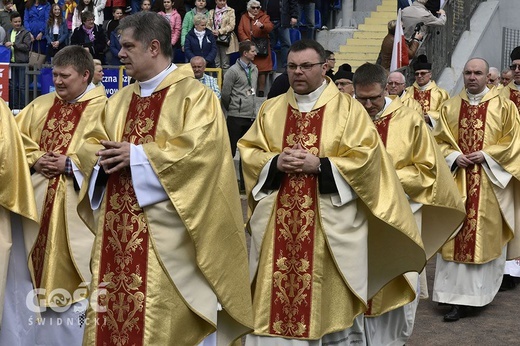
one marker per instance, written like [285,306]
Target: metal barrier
[510,40]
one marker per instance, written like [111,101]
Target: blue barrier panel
[45,80]
[111,80]
[5,54]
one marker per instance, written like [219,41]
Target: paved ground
[498,324]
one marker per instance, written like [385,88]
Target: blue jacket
[35,19]
[115,47]
[208,50]
[63,34]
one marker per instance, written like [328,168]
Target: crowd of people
[122,223]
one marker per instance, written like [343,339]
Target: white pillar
[347,13]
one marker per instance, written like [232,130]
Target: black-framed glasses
[303,67]
[514,67]
[371,99]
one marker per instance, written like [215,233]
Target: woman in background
[173,17]
[222,23]
[56,32]
[200,41]
[35,21]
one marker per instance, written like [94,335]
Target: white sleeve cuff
[450,160]
[257,191]
[77,173]
[498,176]
[147,186]
[95,193]
[345,193]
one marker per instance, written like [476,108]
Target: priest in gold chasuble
[170,259]
[16,195]
[58,249]
[426,180]
[480,139]
[425,91]
[324,201]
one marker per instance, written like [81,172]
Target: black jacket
[288,10]
[97,47]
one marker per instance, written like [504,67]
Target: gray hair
[148,26]
[77,57]
[199,18]
[251,3]
[397,73]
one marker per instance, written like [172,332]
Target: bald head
[396,83]
[493,76]
[198,65]
[475,75]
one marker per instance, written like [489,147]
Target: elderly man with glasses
[395,87]
[426,91]
[319,184]
[512,90]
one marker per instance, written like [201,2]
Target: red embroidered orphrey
[124,251]
[57,133]
[423,97]
[515,97]
[382,127]
[472,123]
[291,297]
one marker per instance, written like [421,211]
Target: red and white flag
[400,49]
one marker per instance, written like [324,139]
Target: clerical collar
[89,87]
[148,87]
[388,100]
[422,88]
[474,99]
[307,101]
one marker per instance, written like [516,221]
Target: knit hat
[515,54]
[421,63]
[344,72]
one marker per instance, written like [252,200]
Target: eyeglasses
[514,67]
[255,7]
[343,83]
[422,73]
[394,83]
[371,99]
[303,67]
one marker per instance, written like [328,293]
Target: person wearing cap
[479,135]
[432,195]
[512,90]
[395,86]
[343,79]
[426,91]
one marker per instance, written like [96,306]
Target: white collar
[89,87]
[422,88]
[388,100]
[148,87]
[307,101]
[474,99]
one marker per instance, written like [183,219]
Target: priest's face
[306,71]
[515,68]
[506,77]
[475,76]
[422,77]
[396,83]
[135,56]
[372,97]
[68,82]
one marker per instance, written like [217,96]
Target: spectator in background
[324,6]
[70,7]
[222,23]
[35,21]
[90,36]
[344,79]
[5,16]
[306,8]
[198,65]
[387,46]
[99,15]
[284,15]
[111,24]
[19,40]
[56,32]
[173,17]
[331,62]
[178,5]
[256,24]
[200,41]
[97,77]
[280,85]
[418,13]
[115,47]
[83,5]
[146,5]
[187,22]
[2,35]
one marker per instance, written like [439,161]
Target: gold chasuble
[430,99]
[425,178]
[159,271]
[315,264]
[511,92]
[16,192]
[59,250]
[492,127]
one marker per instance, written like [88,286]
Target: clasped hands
[463,161]
[51,164]
[297,160]
[115,156]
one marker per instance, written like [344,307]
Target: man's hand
[463,161]
[51,165]
[476,157]
[115,156]
[441,12]
[298,160]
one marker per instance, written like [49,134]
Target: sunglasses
[421,73]
[255,7]
[514,67]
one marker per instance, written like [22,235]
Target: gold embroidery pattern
[471,138]
[124,259]
[57,133]
[515,97]
[423,97]
[294,234]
